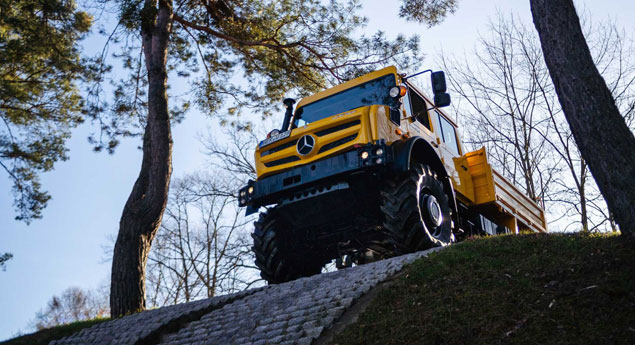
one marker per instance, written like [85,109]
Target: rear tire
[416,211]
[280,256]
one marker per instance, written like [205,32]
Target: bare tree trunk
[143,211]
[604,140]
[584,219]
[583,201]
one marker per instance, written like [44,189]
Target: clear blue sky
[65,248]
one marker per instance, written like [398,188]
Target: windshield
[372,92]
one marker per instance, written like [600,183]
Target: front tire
[416,211]
[281,256]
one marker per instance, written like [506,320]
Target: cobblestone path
[296,312]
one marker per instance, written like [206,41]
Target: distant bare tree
[504,111]
[236,155]
[202,248]
[74,304]
[613,53]
[513,110]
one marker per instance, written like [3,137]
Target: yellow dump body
[498,198]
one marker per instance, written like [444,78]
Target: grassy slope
[45,336]
[530,289]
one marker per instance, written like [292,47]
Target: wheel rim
[433,208]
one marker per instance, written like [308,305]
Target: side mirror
[441,98]
[438,82]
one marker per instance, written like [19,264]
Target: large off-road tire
[416,211]
[280,256]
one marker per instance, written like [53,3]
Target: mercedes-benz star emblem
[305,145]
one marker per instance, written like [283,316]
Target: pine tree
[39,100]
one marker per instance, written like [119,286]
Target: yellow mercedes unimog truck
[368,169]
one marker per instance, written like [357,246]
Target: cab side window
[448,134]
[419,109]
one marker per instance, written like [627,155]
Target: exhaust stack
[288,103]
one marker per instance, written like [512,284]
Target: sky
[66,247]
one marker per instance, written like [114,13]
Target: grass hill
[529,289]
[45,336]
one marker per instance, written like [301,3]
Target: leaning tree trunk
[143,211]
[604,140]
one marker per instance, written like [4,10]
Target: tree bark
[144,209]
[604,140]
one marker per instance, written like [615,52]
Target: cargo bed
[498,198]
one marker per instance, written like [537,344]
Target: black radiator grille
[337,128]
[278,148]
[337,143]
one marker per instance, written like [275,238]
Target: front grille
[282,161]
[278,148]
[337,143]
[337,128]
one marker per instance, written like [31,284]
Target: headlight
[250,190]
[379,151]
[364,155]
[394,92]
[242,193]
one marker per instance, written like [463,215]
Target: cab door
[446,132]
[418,123]
[449,145]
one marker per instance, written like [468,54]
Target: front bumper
[272,189]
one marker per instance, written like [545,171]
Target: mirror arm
[416,74]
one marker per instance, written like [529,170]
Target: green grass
[529,289]
[45,336]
